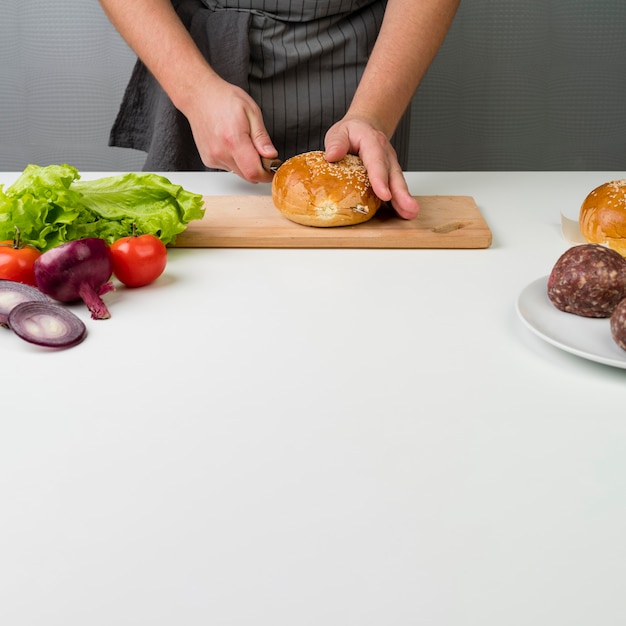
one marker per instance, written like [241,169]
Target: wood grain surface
[254,222]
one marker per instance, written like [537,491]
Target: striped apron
[300,61]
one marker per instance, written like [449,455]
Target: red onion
[12,294]
[77,270]
[46,324]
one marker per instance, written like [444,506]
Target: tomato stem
[16,243]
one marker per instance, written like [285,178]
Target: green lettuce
[51,205]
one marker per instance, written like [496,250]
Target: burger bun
[309,190]
[602,216]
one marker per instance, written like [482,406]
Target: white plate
[589,338]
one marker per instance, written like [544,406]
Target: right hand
[226,123]
[229,132]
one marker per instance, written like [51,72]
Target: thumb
[337,144]
[262,140]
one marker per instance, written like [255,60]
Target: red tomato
[138,260]
[17,262]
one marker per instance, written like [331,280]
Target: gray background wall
[526,85]
[518,85]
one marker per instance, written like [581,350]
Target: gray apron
[300,61]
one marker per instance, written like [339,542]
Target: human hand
[229,132]
[358,136]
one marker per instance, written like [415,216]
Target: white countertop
[321,438]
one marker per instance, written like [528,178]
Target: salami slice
[588,280]
[618,324]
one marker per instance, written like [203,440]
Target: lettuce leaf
[51,205]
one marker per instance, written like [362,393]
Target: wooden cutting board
[254,222]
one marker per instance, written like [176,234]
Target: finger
[378,174]
[263,143]
[247,154]
[404,203]
[389,184]
[248,165]
[252,166]
[336,144]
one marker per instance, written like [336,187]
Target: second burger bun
[603,216]
[309,190]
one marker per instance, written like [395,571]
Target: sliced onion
[46,324]
[13,293]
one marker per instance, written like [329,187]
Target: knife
[271,165]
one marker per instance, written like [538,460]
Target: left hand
[358,136]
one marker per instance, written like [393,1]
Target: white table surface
[321,438]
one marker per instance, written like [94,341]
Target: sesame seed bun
[603,216]
[309,190]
